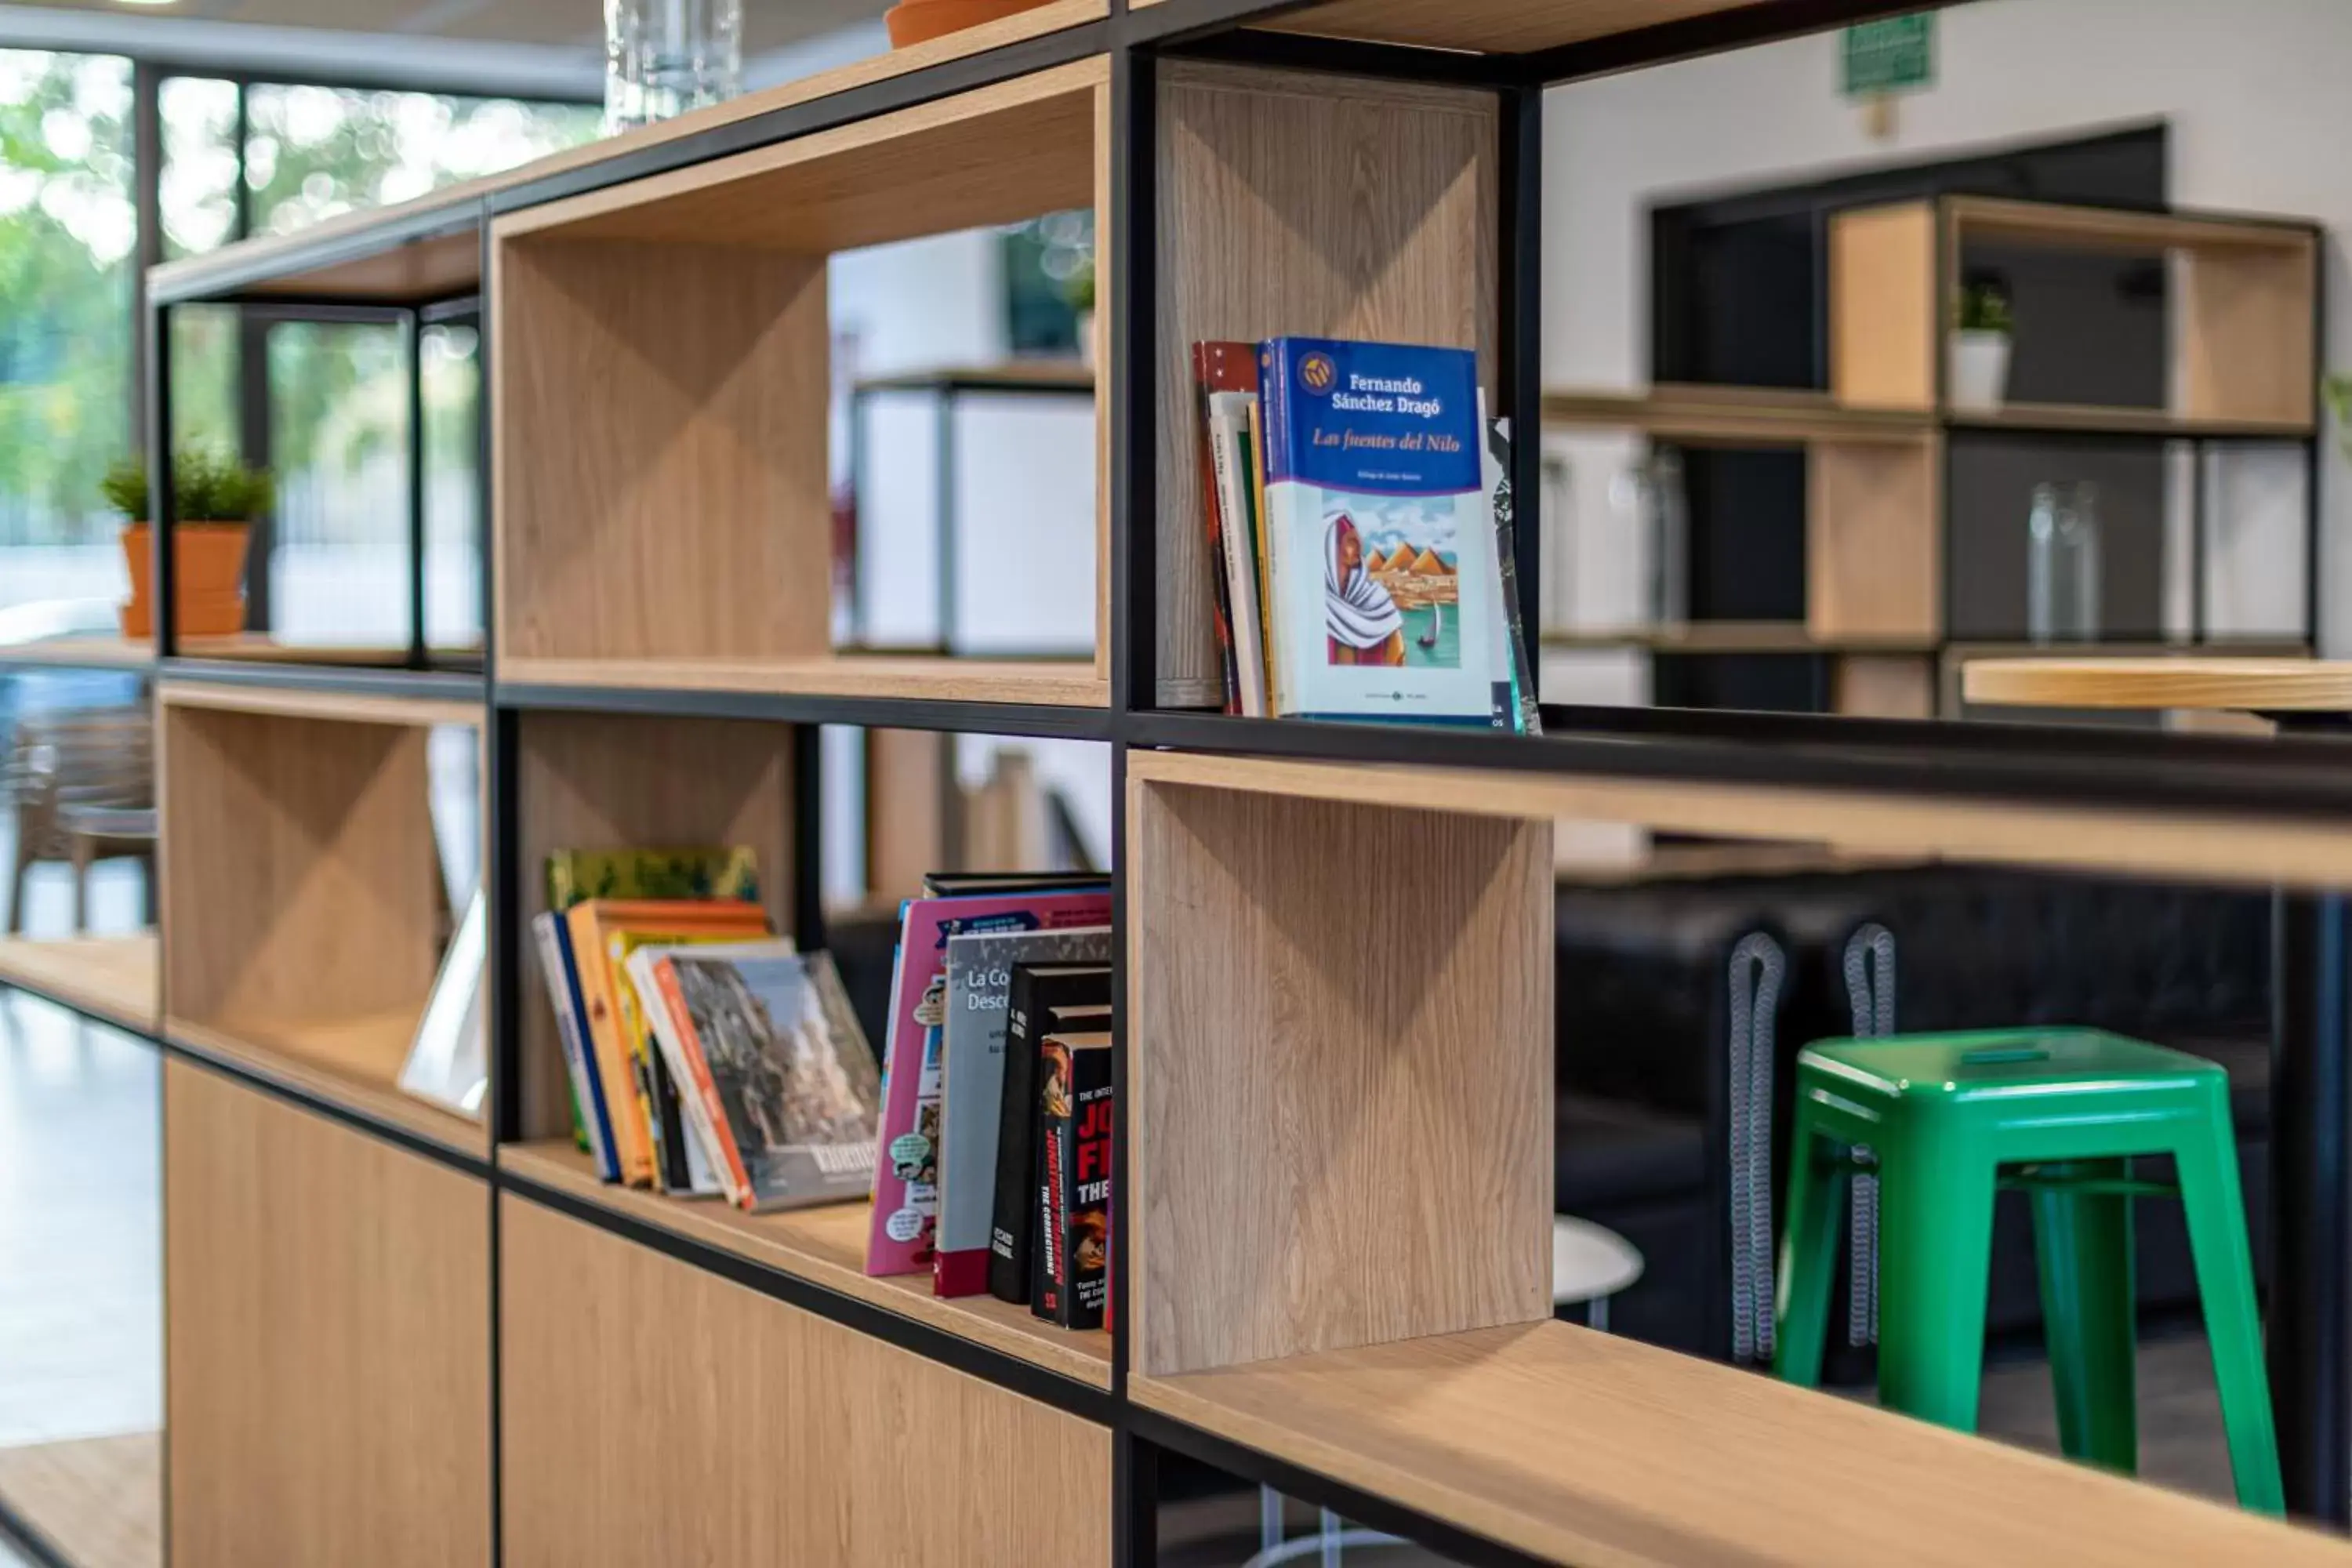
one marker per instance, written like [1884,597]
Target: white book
[1228,442]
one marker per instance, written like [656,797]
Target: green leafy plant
[207,486]
[2337,390]
[1984,309]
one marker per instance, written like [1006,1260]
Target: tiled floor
[80,1244]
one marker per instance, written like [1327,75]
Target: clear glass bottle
[663,57]
[2062,563]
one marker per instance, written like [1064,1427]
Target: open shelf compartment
[663,511]
[303,889]
[592,781]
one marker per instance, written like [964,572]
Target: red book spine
[1207,372]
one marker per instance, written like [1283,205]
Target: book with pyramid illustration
[1383,583]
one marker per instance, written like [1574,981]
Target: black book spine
[1012,1225]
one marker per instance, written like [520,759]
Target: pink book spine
[905,1154]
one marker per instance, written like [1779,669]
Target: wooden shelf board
[1734,416]
[2185,681]
[1493,26]
[261,647]
[116,978]
[2234,850]
[96,1501]
[1580,1447]
[351,1062]
[825,1246]
[1050,682]
[97,651]
[2065,416]
[302,702]
[1011,149]
[1737,637]
[2110,228]
[369,277]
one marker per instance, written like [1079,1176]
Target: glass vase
[2062,563]
[663,57]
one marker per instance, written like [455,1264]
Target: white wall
[2251,90]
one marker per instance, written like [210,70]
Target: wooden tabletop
[2254,685]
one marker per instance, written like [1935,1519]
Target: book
[1383,585]
[449,1062]
[1076,1121]
[972,1090]
[778,1075]
[650,920]
[711,871]
[574,876]
[1221,367]
[1236,496]
[552,937]
[1041,999]
[1261,561]
[960,884]
[1516,707]
[686,1158]
[906,1160]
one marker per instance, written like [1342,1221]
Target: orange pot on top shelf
[914,21]
[209,578]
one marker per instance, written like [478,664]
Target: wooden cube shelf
[2241,341]
[328,1355]
[302,889]
[112,978]
[653,1412]
[1257,237]
[660,388]
[1339,1024]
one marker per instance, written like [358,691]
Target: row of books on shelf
[710,1058]
[1358,508]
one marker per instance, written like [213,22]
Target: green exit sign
[1897,55]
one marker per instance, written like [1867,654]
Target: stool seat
[2007,1063]
[1943,1120]
[1590,1261]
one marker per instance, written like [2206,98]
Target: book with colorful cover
[972,1094]
[1383,590]
[1072,1284]
[1516,707]
[706,871]
[650,919]
[777,1075]
[1229,368]
[906,1157]
[573,876]
[682,1162]
[592,1119]
[1044,999]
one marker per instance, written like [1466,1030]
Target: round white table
[1589,1263]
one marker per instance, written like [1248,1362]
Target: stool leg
[2225,1284]
[1818,1176]
[1935,1255]
[2084,1242]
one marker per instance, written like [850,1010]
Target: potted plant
[1980,348]
[215,500]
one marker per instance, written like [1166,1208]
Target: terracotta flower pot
[209,578]
[913,21]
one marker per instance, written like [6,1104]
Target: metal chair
[83,785]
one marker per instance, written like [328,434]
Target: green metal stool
[1945,1120]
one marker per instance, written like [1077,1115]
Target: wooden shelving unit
[398,1337]
[1877,478]
[114,979]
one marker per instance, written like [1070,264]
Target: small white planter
[1979,370]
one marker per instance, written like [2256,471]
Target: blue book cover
[1381,549]
[563,976]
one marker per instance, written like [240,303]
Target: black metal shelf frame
[2298,777]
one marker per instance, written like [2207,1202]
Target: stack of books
[707,1057]
[993,1172]
[1358,520]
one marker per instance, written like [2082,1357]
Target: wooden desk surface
[2258,685]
